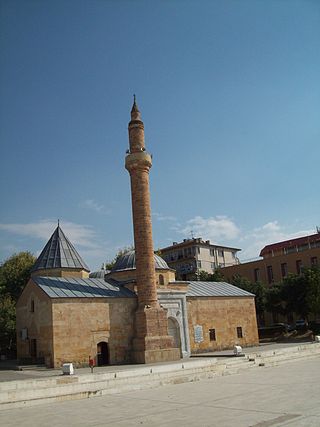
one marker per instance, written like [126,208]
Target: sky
[229,93]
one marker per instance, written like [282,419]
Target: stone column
[152,342]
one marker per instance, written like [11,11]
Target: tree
[110,264]
[258,289]
[210,277]
[274,299]
[15,273]
[7,324]
[293,294]
[312,282]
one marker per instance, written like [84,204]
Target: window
[256,273]
[284,270]
[239,332]
[291,249]
[33,348]
[198,250]
[314,261]
[220,252]
[270,273]
[161,280]
[213,266]
[212,252]
[299,266]
[32,306]
[212,334]
[199,264]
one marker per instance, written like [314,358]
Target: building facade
[278,260]
[191,256]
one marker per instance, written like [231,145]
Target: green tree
[15,273]
[210,277]
[294,295]
[7,324]
[258,289]
[274,299]
[312,281]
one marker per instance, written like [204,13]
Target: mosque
[137,312]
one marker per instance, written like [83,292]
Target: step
[43,390]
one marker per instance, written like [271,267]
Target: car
[301,324]
[284,326]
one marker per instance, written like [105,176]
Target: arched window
[161,280]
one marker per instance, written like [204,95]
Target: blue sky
[230,96]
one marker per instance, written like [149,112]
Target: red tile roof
[292,242]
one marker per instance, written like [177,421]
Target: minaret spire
[151,342]
[135,113]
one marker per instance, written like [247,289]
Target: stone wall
[224,315]
[34,316]
[61,272]
[80,324]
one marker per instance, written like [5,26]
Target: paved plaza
[286,395]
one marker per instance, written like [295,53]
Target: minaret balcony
[140,159]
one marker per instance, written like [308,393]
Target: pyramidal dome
[59,252]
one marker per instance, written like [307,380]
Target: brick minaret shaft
[138,163]
[151,342]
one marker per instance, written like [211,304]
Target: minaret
[152,342]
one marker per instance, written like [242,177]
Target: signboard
[198,333]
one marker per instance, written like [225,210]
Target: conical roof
[59,253]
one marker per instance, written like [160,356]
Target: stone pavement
[286,395]
[11,375]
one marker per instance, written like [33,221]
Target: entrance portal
[102,353]
[174,331]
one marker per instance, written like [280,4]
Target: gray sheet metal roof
[70,287]
[128,262]
[215,289]
[59,253]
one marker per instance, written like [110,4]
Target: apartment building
[191,256]
[278,260]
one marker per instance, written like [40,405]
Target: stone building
[138,313]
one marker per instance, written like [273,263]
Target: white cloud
[271,232]
[215,228]
[271,226]
[94,206]
[161,217]
[78,234]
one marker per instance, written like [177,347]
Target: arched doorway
[174,331]
[102,353]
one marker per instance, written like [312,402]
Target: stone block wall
[34,315]
[224,315]
[80,324]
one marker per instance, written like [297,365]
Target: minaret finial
[135,113]
[58,222]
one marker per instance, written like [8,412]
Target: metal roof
[292,242]
[128,262]
[70,287]
[59,253]
[99,274]
[215,289]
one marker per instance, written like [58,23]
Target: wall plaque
[198,333]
